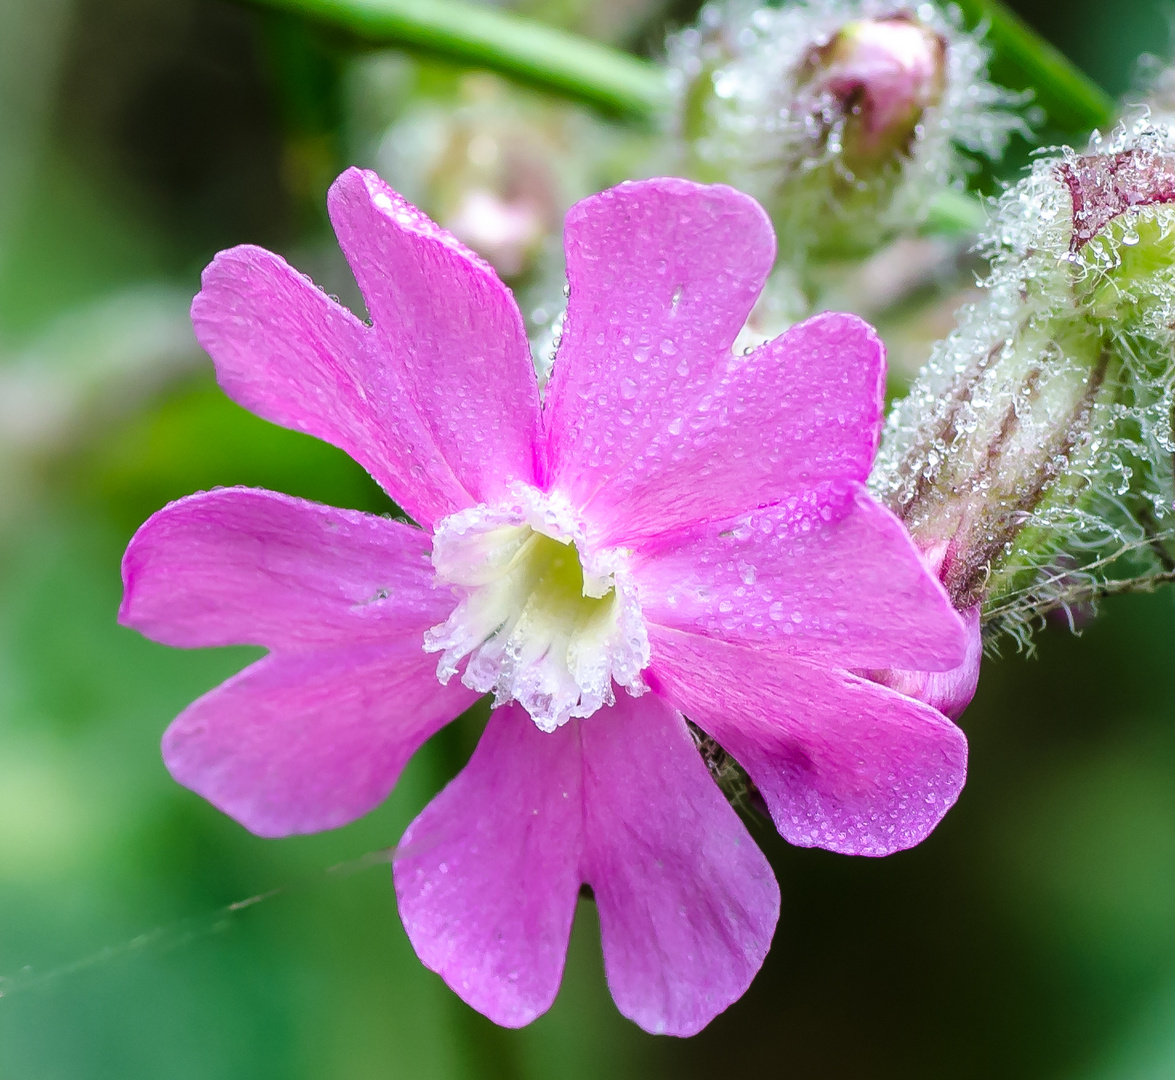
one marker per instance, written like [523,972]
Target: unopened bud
[496,167]
[843,117]
[1032,459]
[871,84]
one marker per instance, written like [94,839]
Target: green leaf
[502,42]
[1071,98]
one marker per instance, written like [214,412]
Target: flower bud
[483,172]
[843,117]
[497,167]
[1032,459]
[874,80]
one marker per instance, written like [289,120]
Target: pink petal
[239,566]
[688,903]
[301,742]
[828,575]
[449,328]
[663,274]
[950,692]
[487,876]
[802,409]
[842,763]
[290,354]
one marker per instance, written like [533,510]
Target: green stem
[502,42]
[1070,97]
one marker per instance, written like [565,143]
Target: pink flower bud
[495,167]
[505,232]
[844,117]
[878,76]
[496,188]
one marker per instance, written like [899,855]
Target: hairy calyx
[540,623]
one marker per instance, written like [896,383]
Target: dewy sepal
[1032,459]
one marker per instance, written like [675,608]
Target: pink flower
[675,530]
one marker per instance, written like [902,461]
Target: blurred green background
[1033,935]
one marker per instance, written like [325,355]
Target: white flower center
[541,624]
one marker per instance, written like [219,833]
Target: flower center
[541,624]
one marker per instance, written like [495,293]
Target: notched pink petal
[241,566]
[287,352]
[801,410]
[842,763]
[663,274]
[829,575]
[301,742]
[449,328]
[688,904]
[488,875]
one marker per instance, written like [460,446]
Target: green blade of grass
[1071,98]
[499,41]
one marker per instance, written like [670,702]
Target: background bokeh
[1033,934]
